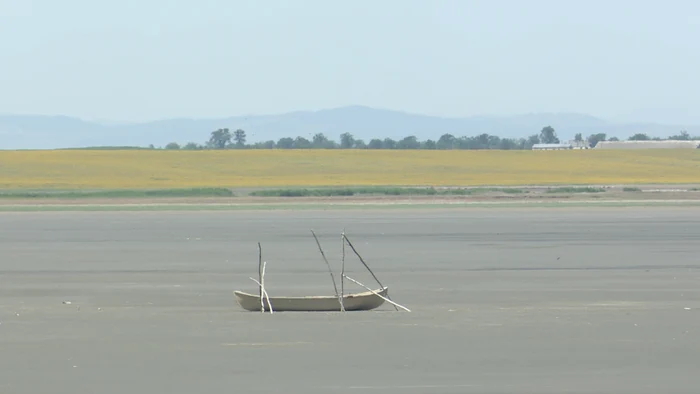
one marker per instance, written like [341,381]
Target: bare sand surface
[594,300]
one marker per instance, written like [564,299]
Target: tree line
[225,139]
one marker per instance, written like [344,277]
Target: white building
[648,145]
[583,144]
[551,146]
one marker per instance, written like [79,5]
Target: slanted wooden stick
[379,295]
[260,267]
[262,285]
[363,262]
[265,293]
[330,270]
[342,269]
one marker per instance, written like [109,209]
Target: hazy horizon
[108,121]
[628,61]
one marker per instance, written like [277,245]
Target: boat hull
[352,302]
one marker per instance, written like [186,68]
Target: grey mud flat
[341,205]
[503,300]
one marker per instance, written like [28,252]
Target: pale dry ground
[594,300]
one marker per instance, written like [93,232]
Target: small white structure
[551,146]
[583,144]
[669,144]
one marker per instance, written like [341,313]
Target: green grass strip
[386,191]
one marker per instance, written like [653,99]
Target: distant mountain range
[51,132]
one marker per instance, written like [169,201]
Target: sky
[135,60]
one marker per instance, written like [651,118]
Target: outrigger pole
[366,266]
[330,270]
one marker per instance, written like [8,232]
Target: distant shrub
[570,189]
[512,191]
[378,190]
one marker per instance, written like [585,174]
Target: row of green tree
[225,139]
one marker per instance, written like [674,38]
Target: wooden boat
[352,302]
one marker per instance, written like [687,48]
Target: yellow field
[256,168]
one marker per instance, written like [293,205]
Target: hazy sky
[152,59]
